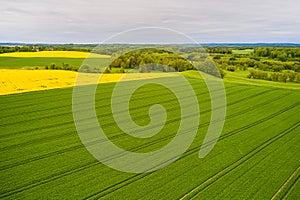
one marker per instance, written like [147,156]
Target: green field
[242,51]
[23,62]
[42,156]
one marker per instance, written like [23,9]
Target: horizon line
[200,43]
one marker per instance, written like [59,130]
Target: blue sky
[92,21]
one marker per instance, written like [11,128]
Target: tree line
[286,76]
[266,65]
[36,48]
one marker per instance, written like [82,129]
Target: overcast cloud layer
[92,21]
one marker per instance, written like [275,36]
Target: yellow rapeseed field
[18,81]
[63,54]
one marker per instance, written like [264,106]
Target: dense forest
[151,59]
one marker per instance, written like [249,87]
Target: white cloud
[88,21]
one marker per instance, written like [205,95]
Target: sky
[93,21]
